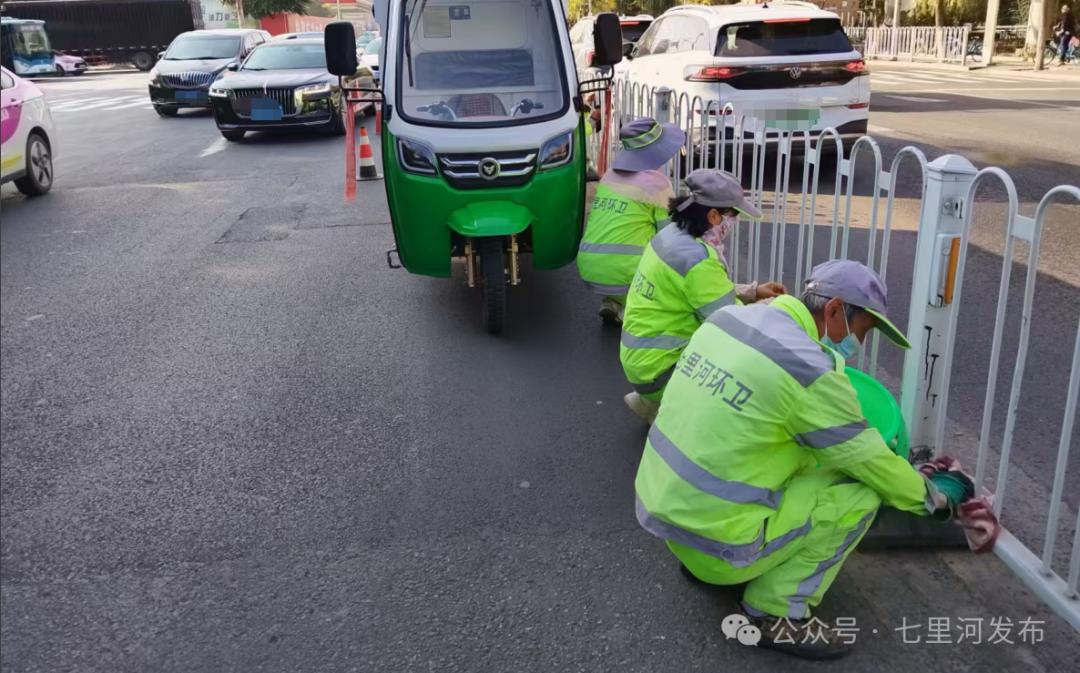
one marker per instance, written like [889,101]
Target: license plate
[265,110]
[191,96]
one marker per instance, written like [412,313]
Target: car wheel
[59,70]
[166,111]
[39,167]
[142,60]
[233,135]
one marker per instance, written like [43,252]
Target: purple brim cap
[647,145]
[858,285]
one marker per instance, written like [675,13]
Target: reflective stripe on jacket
[622,219]
[753,401]
[679,282]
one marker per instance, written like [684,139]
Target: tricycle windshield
[484,63]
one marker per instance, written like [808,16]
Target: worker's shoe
[642,406]
[804,638]
[611,311]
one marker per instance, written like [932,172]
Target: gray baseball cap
[857,285]
[718,189]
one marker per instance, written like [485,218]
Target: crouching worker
[681,279]
[631,199]
[761,469]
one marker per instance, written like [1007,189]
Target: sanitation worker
[681,279]
[631,199]
[760,467]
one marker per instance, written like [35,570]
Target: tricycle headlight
[416,157]
[557,151]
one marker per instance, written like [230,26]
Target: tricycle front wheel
[493,270]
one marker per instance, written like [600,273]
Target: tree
[259,8]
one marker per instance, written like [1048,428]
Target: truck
[112,31]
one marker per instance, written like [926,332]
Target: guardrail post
[662,113]
[922,396]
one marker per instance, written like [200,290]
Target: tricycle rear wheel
[493,270]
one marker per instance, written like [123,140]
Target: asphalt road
[233,440]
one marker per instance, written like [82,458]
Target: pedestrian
[631,199]
[760,467]
[1064,30]
[681,279]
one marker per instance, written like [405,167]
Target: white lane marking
[874,128]
[141,101]
[917,99]
[91,106]
[999,98]
[214,147]
[77,101]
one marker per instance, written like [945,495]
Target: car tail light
[712,73]
[858,106]
[858,67]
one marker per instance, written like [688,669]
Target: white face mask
[717,236]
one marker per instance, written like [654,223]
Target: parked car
[66,64]
[27,135]
[181,79]
[791,59]
[370,57]
[281,84]
[294,36]
[363,38]
[581,41]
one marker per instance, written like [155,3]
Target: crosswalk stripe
[100,104]
[137,103]
[76,101]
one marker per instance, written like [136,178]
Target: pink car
[27,135]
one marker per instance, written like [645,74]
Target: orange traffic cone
[367,170]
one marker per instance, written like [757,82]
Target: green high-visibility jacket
[755,400]
[622,219]
[679,282]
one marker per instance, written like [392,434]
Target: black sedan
[281,84]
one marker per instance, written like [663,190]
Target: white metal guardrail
[764,150]
[916,43]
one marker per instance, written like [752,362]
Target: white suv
[785,58]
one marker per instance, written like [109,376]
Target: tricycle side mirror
[232,67]
[607,40]
[339,41]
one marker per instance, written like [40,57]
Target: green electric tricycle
[483,141]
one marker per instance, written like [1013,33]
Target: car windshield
[287,56]
[492,63]
[190,47]
[373,47]
[789,38]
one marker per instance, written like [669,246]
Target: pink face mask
[717,236]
